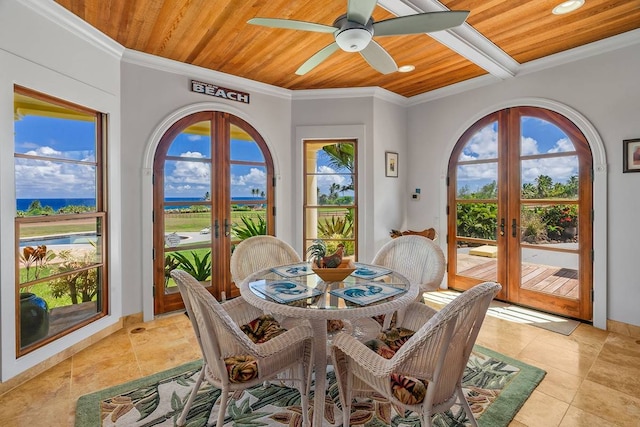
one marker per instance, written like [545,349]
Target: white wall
[377,120]
[604,90]
[390,196]
[40,55]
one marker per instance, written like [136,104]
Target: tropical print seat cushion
[262,329]
[408,390]
[244,368]
[241,368]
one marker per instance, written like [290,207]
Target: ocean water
[55,204]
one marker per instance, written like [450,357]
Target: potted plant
[330,268]
[569,222]
[199,268]
[34,310]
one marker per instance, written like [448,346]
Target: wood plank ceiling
[214,34]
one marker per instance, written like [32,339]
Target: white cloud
[45,179]
[483,145]
[528,146]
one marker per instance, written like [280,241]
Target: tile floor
[592,376]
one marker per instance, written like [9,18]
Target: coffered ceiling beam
[464,40]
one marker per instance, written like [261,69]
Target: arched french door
[520,210]
[212,187]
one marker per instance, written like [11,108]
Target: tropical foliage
[79,283]
[250,228]
[539,222]
[196,264]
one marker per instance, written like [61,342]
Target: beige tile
[623,328]
[576,417]
[541,410]
[506,337]
[556,383]
[611,405]
[573,362]
[48,392]
[628,345]
[98,377]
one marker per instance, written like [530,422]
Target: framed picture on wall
[391,164]
[631,155]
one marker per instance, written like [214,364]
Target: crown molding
[620,41]
[355,92]
[592,49]
[65,19]
[176,67]
[454,89]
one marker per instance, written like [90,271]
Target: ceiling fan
[353,32]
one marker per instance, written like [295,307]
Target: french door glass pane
[482,145]
[244,147]
[186,181]
[540,137]
[194,141]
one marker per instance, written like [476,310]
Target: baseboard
[623,328]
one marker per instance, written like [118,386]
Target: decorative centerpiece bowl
[337,274]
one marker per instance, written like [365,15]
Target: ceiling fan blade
[421,23]
[379,58]
[360,10]
[317,58]
[290,24]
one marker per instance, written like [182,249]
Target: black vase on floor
[34,318]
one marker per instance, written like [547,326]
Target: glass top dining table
[295,291]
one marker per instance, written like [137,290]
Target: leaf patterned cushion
[381,348]
[262,329]
[241,368]
[395,337]
[408,390]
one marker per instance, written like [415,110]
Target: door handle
[227,226]
[502,226]
[514,227]
[216,228]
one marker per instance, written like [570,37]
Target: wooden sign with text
[219,91]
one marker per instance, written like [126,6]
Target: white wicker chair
[259,252]
[417,258]
[217,328]
[436,354]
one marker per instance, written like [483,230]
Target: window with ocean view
[60,218]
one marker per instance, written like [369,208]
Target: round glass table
[295,291]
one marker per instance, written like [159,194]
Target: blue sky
[74,139]
[70,139]
[60,139]
[538,137]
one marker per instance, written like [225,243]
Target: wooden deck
[535,277]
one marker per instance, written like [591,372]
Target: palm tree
[341,156]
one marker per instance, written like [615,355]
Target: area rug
[496,387]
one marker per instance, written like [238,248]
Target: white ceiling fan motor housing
[352,36]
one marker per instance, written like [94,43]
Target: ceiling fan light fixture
[353,39]
[567,7]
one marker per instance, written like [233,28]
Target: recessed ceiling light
[567,6]
[406,68]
